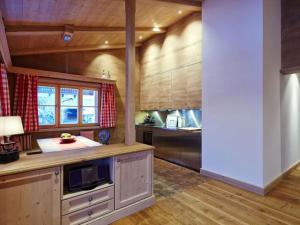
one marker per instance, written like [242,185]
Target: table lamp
[9,125]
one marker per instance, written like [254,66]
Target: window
[62,106]
[69,105]
[46,105]
[89,106]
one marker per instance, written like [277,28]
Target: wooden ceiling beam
[50,30]
[196,3]
[4,50]
[58,75]
[67,49]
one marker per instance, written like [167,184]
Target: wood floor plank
[184,197]
[261,208]
[214,213]
[269,200]
[237,210]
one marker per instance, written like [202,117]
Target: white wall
[236,92]
[271,90]
[290,120]
[232,89]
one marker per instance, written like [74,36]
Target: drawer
[89,213]
[86,200]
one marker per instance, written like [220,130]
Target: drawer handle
[91,198]
[90,212]
[56,173]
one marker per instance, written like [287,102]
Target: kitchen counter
[47,160]
[184,129]
[177,145]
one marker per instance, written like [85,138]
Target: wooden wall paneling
[88,64]
[150,92]
[39,51]
[176,55]
[130,6]
[4,50]
[179,90]
[194,84]
[165,91]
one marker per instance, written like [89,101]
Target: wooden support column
[3,45]
[130,72]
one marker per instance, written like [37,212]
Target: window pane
[69,115]
[69,97]
[46,95]
[90,98]
[46,115]
[89,115]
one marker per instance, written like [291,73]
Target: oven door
[147,137]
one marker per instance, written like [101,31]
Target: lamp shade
[10,125]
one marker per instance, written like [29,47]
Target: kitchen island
[36,184]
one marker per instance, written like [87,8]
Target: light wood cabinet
[133,178]
[164,90]
[177,89]
[86,200]
[174,60]
[89,213]
[149,92]
[30,198]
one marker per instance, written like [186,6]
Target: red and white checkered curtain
[26,102]
[108,112]
[4,93]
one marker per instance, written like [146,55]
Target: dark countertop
[199,130]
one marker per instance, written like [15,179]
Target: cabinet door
[149,92]
[194,95]
[179,91]
[133,178]
[164,91]
[30,198]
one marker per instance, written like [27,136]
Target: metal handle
[56,173]
[90,198]
[90,213]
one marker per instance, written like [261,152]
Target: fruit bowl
[66,138]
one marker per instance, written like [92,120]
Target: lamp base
[9,156]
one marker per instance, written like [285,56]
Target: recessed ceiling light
[156,29]
[140,37]
[179,12]
[106,42]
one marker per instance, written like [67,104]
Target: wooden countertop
[52,159]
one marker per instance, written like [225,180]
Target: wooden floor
[184,197]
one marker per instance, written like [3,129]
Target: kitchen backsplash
[191,117]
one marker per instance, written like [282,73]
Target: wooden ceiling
[36,26]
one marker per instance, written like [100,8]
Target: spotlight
[68,33]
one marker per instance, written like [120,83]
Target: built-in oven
[147,137]
[86,175]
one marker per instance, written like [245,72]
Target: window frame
[96,106]
[80,88]
[56,105]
